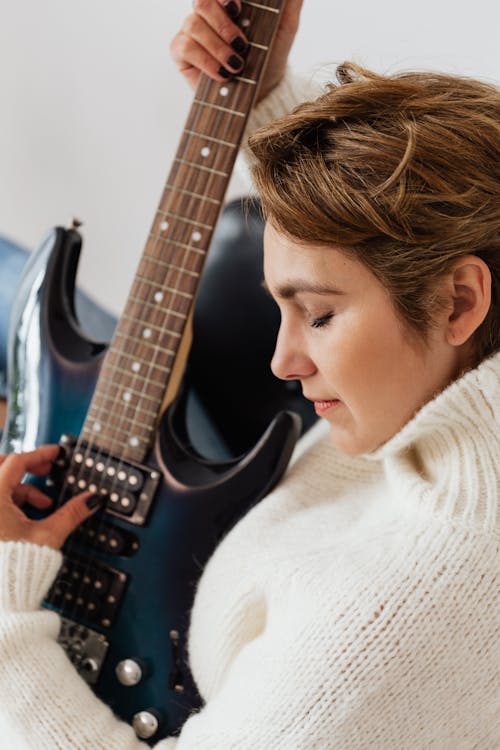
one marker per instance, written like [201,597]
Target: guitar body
[147,564]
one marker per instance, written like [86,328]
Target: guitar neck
[123,414]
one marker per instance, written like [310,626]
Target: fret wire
[123,414]
[94,414]
[193,195]
[141,301]
[202,168]
[150,345]
[185,219]
[258,5]
[138,358]
[258,46]
[88,434]
[126,450]
[131,373]
[152,325]
[220,141]
[130,389]
[165,264]
[245,80]
[164,288]
[113,445]
[220,108]
[142,426]
[169,240]
[197,118]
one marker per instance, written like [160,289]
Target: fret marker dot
[245,23]
[164,226]
[147,332]
[134,442]
[224,91]
[205,151]
[158,297]
[96,426]
[127,396]
[196,236]
[136,366]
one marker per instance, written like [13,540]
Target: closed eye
[322,321]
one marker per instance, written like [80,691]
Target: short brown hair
[403,171]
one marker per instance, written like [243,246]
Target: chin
[350,445]
[354,445]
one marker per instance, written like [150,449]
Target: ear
[470,287]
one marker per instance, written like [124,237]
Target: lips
[321,406]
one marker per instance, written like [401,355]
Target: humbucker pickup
[88,591]
[128,487]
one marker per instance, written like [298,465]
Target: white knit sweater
[354,608]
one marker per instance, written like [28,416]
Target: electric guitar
[126,586]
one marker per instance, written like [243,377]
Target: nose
[290,359]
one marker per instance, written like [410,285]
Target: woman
[355,607]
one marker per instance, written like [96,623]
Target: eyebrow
[292,288]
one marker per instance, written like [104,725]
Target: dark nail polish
[235,62]
[232,9]
[223,72]
[239,45]
[94,501]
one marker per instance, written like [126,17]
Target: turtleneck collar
[449,453]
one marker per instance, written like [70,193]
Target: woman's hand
[14,524]
[211,42]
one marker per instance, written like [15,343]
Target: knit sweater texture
[355,608]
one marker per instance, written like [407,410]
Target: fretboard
[124,411]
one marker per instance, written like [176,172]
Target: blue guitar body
[125,626]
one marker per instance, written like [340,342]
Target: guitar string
[85,577]
[162,240]
[165,240]
[83,463]
[157,241]
[176,285]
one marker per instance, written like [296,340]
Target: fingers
[15,465]
[54,530]
[27,493]
[210,42]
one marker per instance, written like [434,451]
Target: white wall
[92,107]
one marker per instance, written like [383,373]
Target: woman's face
[340,336]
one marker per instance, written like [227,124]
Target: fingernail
[232,9]
[239,44]
[234,62]
[223,72]
[94,501]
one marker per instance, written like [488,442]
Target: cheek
[375,361]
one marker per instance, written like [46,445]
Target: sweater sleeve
[44,704]
[391,648]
